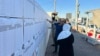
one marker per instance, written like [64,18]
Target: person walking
[65,41]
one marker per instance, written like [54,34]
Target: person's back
[65,40]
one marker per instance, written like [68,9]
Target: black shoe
[53,45]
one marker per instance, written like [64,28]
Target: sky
[68,6]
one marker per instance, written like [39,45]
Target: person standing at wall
[65,41]
[56,30]
[53,22]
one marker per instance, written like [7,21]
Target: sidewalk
[81,47]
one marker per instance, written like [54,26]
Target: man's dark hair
[53,18]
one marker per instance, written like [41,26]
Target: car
[83,27]
[90,27]
[98,30]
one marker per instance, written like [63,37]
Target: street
[81,47]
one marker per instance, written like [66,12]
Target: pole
[76,14]
[54,5]
[87,22]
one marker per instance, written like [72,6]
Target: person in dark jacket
[65,40]
[58,29]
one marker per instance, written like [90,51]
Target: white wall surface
[23,28]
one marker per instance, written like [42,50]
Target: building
[69,15]
[96,17]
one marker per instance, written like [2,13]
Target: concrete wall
[23,28]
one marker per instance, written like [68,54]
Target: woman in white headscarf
[65,40]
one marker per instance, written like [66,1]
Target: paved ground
[81,47]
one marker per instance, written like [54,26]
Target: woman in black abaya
[65,40]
